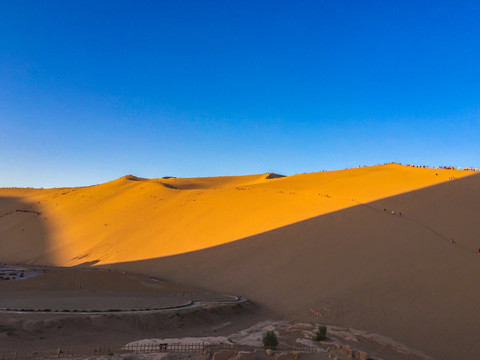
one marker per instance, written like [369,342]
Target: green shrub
[321,333]
[270,340]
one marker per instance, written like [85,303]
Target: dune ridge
[134,218]
[365,266]
[368,248]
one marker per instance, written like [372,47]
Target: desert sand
[95,290]
[328,247]
[134,219]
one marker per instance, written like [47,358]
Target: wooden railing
[66,352]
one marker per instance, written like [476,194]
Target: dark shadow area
[366,267]
[23,232]
[274,176]
[170,186]
[87,263]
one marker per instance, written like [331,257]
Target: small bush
[270,340]
[321,333]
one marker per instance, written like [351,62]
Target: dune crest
[134,218]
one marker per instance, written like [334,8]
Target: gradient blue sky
[93,90]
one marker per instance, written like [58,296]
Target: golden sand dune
[133,218]
[364,266]
[330,247]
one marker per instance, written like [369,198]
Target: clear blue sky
[93,90]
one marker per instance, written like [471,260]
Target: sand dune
[329,246]
[362,267]
[133,218]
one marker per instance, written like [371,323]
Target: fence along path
[65,352]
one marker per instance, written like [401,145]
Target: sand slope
[325,245]
[363,267]
[133,218]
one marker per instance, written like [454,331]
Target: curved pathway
[190,305]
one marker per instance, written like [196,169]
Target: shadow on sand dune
[87,263]
[21,221]
[366,267]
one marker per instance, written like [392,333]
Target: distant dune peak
[133,178]
[274,176]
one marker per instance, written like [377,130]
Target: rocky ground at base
[295,343]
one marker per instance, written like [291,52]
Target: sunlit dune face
[133,218]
